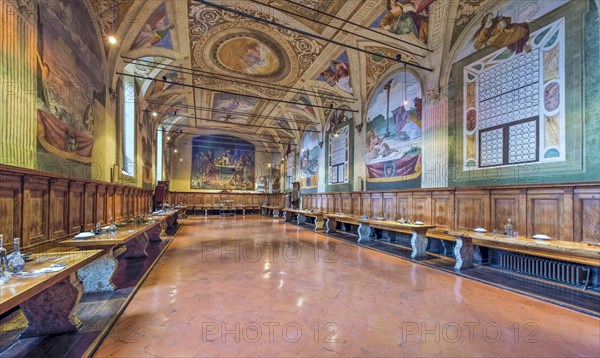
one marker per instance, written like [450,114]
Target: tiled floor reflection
[253,287]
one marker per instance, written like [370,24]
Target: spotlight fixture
[181,159]
[112,40]
[154,114]
[175,151]
[168,138]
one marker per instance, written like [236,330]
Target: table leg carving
[364,232]
[330,225]
[97,276]
[301,219]
[463,252]
[319,224]
[136,248]
[275,213]
[170,222]
[418,243]
[153,234]
[52,311]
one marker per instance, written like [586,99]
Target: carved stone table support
[385,236]
[97,276]
[364,232]
[319,223]
[171,221]
[136,248]
[330,225]
[275,213]
[153,235]
[287,216]
[163,227]
[463,252]
[301,219]
[418,242]
[52,311]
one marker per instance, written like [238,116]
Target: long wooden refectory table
[47,291]
[576,252]
[301,216]
[97,275]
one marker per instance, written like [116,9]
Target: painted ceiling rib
[210,109]
[398,58]
[337,28]
[360,26]
[239,124]
[229,92]
[191,71]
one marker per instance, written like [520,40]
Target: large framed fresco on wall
[514,109]
[309,159]
[70,80]
[222,162]
[394,131]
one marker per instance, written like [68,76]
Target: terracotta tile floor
[254,287]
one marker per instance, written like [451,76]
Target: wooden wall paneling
[119,204]
[89,207]
[389,206]
[59,209]
[355,203]
[472,208]
[505,204]
[365,204]
[404,205]
[421,207]
[330,208]
[11,199]
[545,213]
[346,207]
[110,203]
[442,206]
[586,215]
[376,205]
[36,211]
[76,205]
[101,204]
[336,207]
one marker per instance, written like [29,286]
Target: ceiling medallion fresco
[252,54]
[211,30]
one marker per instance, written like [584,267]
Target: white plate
[541,237]
[480,229]
[84,235]
[418,223]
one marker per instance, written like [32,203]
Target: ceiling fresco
[242,68]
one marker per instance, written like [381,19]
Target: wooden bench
[97,276]
[48,300]
[269,210]
[418,240]
[301,216]
[331,221]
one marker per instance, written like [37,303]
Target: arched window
[128,130]
[159,155]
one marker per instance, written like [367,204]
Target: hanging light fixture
[111,38]
[405,102]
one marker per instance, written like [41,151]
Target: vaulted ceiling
[218,71]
